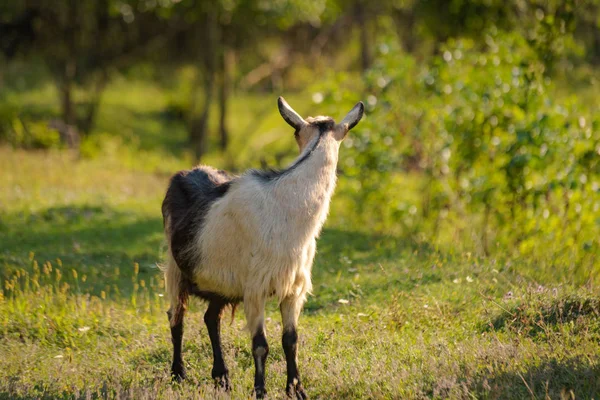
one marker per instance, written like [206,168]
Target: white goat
[251,237]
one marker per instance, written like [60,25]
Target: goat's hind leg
[176,314]
[178,295]
[290,310]
[212,319]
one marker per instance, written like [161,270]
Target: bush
[492,159]
[30,135]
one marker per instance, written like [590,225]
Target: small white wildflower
[469,279]
[456,280]
[343,301]
[540,289]
[84,329]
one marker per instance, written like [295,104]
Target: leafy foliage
[483,130]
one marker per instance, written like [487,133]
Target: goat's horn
[289,115]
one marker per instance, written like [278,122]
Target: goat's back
[189,197]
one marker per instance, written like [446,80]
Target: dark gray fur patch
[212,296]
[269,175]
[188,199]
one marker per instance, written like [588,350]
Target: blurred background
[465,225]
[482,127]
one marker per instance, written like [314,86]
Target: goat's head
[307,129]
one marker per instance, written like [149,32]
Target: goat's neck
[305,193]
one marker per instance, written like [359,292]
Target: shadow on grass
[537,316]
[99,242]
[555,379]
[366,248]
[151,130]
[104,243]
[341,253]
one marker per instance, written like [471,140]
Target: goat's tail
[177,291]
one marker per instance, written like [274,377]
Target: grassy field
[82,312]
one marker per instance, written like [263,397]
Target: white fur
[259,239]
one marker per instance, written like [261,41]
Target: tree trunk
[365,45]
[199,128]
[596,47]
[68,126]
[66,103]
[2,68]
[68,109]
[92,108]
[404,20]
[227,59]
[67,66]
[199,125]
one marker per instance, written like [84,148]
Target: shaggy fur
[188,199]
[254,236]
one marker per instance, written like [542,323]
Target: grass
[82,311]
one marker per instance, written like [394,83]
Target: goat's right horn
[289,115]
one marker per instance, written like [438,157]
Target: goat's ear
[352,118]
[289,115]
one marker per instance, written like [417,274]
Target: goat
[249,238]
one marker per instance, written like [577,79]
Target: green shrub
[475,148]
[31,135]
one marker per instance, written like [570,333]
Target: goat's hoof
[178,373]
[222,383]
[295,391]
[178,376]
[260,392]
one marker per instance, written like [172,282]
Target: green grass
[82,311]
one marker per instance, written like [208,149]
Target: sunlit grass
[423,325]
[82,306]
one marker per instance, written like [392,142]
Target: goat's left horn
[289,115]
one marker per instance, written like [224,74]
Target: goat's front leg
[212,319]
[290,311]
[255,316]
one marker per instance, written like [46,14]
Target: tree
[214,33]
[81,42]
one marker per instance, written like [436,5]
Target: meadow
[393,315]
